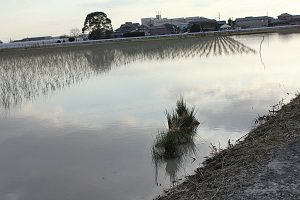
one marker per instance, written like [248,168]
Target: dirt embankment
[264,165]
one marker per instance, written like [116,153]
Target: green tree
[98,25]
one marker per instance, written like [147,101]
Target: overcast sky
[32,18]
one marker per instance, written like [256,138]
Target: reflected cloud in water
[231,108]
[26,75]
[75,163]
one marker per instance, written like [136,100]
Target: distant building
[189,19]
[34,39]
[286,19]
[163,30]
[278,22]
[253,22]
[144,29]
[206,24]
[225,27]
[173,21]
[158,30]
[126,28]
[221,23]
[295,20]
[290,19]
[159,21]
[147,21]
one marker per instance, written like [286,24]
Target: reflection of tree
[24,75]
[174,165]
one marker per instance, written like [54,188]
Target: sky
[32,18]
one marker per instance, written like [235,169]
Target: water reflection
[93,141]
[173,166]
[25,75]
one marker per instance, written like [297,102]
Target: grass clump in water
[182,126]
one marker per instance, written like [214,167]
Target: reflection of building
[253,22]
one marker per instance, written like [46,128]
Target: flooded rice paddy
[79,122]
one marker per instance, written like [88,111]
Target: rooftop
[253,18]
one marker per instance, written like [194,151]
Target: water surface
[79,122]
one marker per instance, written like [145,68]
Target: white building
[147,21]
[173,21]
[159,21]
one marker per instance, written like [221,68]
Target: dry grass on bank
[232,168]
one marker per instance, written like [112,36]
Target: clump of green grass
[182,122]
[182,117]
[182,127]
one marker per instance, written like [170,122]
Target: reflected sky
[79,122]
[81,165]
